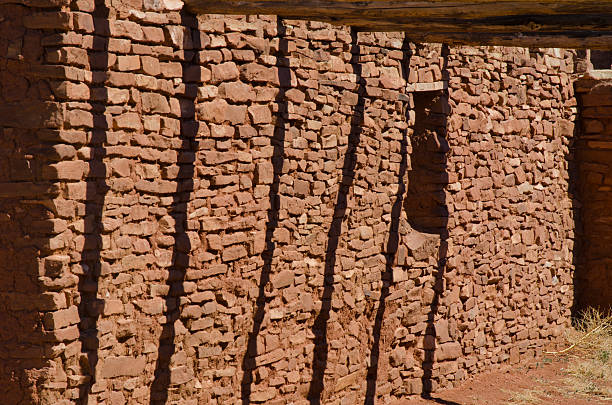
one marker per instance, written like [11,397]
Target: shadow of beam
[90,307]
[178,211]
[576,190]
[441,401]
[319,329]
[390,252]
[284,73]
[438,221]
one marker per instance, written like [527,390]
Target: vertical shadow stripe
[184,189]
[90,307]
[319,328]
[278,142]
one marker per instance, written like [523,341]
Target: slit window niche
[425,204]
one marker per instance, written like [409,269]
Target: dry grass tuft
[589,368]
[526,397]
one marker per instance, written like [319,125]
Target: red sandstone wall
[511,217]
[593,176]
[29,117]
[259,209]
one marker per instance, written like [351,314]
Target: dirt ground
[541,382]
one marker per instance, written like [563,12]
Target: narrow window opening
[428,177]
[601,60]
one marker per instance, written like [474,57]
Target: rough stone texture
[593,173]
[29,118]
[260,210]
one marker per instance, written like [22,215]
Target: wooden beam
[531,23]
[603,41]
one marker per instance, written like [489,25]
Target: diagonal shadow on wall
[319,328]
[390,251]
[90,307]
[178,211]
[387,276]
[576,190]
[249,363]
[426,200]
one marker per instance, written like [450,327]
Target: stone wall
[258,210]
[29,118]
[593,176]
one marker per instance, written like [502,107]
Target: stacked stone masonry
[593,173]
[224,210]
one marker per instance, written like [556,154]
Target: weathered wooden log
[601,41]
[543,23]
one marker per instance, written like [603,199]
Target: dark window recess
[426,203]
[601,59]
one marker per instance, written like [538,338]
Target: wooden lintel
[601,41]
[424,87]
[529,23]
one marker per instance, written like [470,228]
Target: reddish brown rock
[173,179]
